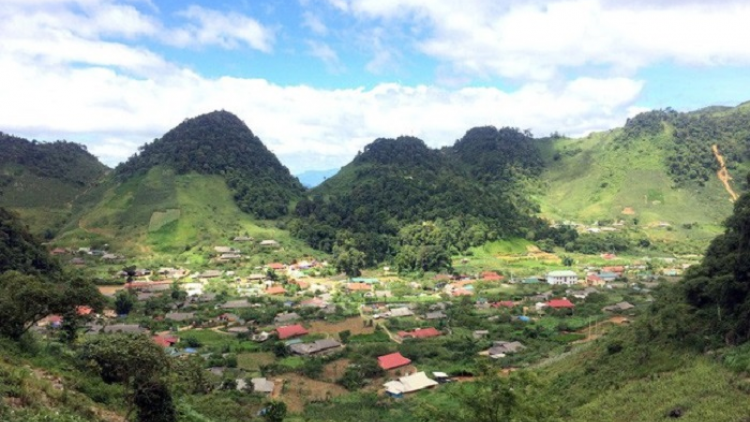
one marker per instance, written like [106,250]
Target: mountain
[220,143]
[42,181]
[394,183]
[20,250]
[661,173]
[204,182]
[313,178]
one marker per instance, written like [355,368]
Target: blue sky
[317,80]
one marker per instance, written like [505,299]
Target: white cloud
[534,40]
[226,30]
[326,54]
[99,103]
[313,21]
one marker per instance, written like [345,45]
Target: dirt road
[723,174]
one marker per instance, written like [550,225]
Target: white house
[566,277]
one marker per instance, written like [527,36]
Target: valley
[579,277]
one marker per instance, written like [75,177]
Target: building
[392,361]
[408,384]
[565,277]
[316,347]
[420,333]
[291,331]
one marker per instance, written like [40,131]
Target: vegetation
[220,143]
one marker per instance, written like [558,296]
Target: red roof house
[420,333]
[394,360]
[561,304]
[462,292]
[491,276]
[83,310]
[504,304]
[291,331]
[276,290]
[165,341]
[276,266]
[358,287]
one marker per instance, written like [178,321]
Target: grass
[604,178]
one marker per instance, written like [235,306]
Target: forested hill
[394,183]
[41,180]
[20,251]
[220,143]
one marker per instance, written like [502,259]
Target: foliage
[395,183]
[274,411]
[20,251]
[154,402]
[124,301]
[220,143]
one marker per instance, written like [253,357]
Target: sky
[317,80]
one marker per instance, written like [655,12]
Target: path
[723,174]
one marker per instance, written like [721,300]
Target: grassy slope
[207,216]
[596,180]
[592,384]
[42,202]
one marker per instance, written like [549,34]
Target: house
[269,243]
[504,304]
[420,333]
[530,280]
[225,249]
[435,315]
[275,290]
[276,266]
[358,287]
[117,328]
[290,331]
[165,341]
[478,334]
[242,239]
[491,276]
[237,304]
[441,377]
[392,361]
[58,251]
[565,277]
[286,317]
[582,294]
[560,304]
[179,316]
[608,276]
[461,292]
[210,274]
[542,297]
[500,349]
[316,347]
[619,307]
[594,280]
[408,384]
[238,330]
[230,256]
[261,337]
[256,277]
[400,312]
[314,303]
[262,385]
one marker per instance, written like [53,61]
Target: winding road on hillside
[723,174]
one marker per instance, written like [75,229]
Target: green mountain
[204,182]
[42,181]
[659,173]
[473,189]
[219,143]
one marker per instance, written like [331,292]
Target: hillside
[204,182]
[395,183]
[219,143]
[42,181]
[661,167]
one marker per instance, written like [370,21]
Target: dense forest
[381,203]
[66,161]
[220,143]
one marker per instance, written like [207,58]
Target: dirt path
[723,174]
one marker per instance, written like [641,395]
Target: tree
[493,398]
[27,299]
[274,411]
[136,362]
[124,302]
[350,261]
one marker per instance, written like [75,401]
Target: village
[300,332]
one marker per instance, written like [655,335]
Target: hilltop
[394,185]
[43,181]
[204,182]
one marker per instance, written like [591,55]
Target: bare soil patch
[628,211]
[353,324]
[300,390]
[335,370]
